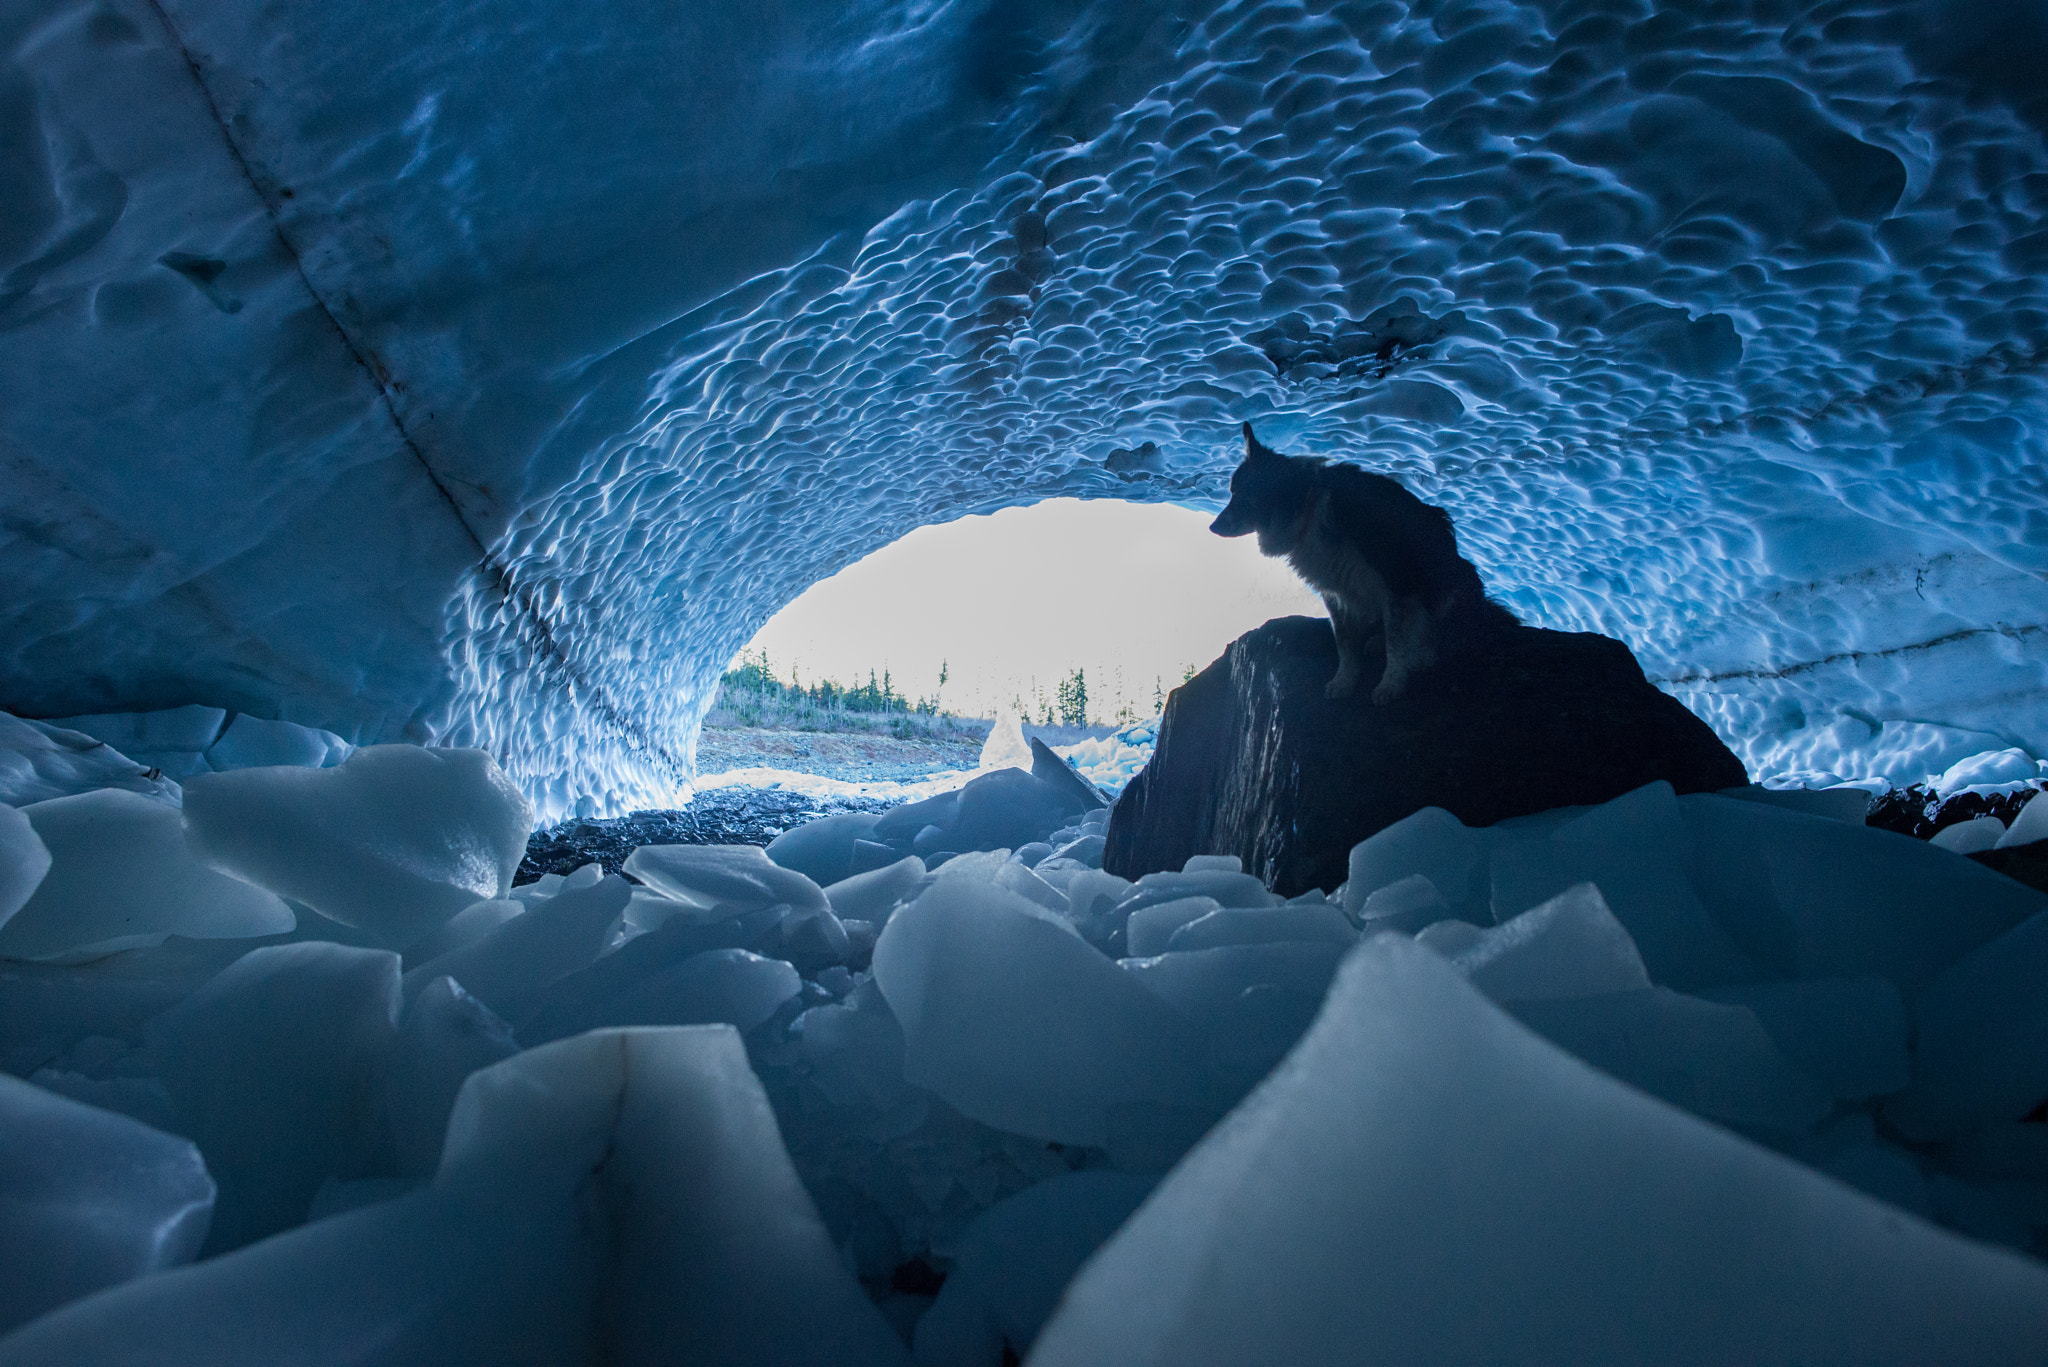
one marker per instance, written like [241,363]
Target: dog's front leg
[1352,633]
[1411,647]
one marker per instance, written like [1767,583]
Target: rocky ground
[853,756]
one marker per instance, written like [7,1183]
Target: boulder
[1253,760]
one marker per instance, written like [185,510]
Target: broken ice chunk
[1422,1180]
[1016,1021]
[88,1199]
[872,895]
[1814,898]
[24,859]
[1715,1061]
[2029,826]
[822,849]
[720,986]
[394,841]
[1847,1034]
[1264,925]
[1430,842]
[122,875]
[273,1067]
[1229,890]
[855,1050]
[470,924]
[509,968]
[40,761]
[1016,1259]
[1406,904]
[251,743]
[735,877]
[445,1036]
[1571,946]
[605,1198]
[1969,837]
[1149,928]
[1982,1052]
[1637,849]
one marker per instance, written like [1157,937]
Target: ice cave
[451,390]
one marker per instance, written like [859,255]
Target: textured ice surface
[39,761]
[121,874]
[607,1198]
[1395,1193]
[512,372]
[88,1199]
[395,840]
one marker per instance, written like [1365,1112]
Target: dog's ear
[1254,449]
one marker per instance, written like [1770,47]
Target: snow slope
[486,374]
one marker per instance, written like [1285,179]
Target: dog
[1382,559]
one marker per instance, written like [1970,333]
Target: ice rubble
[1753,1083]
[518,367]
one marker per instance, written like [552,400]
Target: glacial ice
[1569,946]
[1015,1261]
[394,841]
[619,1197]
[1016,1021]
[121,875]
[273,1068]
[1482,1128]
[24,861]
[1422,1180]
[710,878]
[1717,330]
[39,761]
[66,1229]
[511,966]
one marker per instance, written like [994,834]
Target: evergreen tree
[1071,698]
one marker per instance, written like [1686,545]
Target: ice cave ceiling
[487,372]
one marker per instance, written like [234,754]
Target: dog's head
[1269,494]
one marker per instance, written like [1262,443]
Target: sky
[1012,602]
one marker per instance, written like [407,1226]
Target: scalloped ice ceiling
[487,373]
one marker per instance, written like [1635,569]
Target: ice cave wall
[487,373]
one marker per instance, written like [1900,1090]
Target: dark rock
[1049,768]
[1921,812]
[1253,761]
[1008,808]
[721,816]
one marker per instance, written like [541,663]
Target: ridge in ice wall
[460,375]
